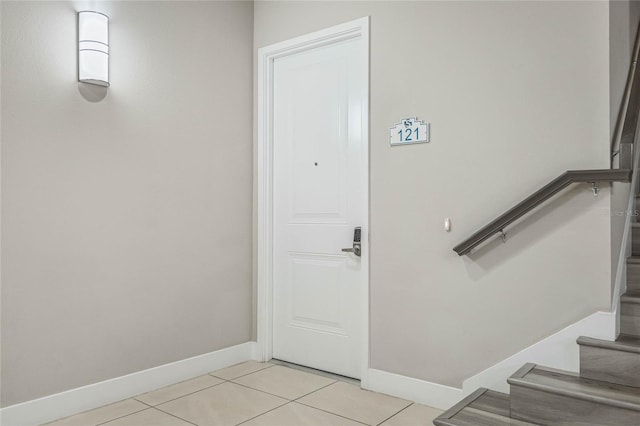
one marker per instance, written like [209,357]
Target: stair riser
[471,418]
[633,276]
[481,408]
[630,318]
[610,365]
[546,408]
[635,240]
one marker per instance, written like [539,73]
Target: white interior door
[319,196]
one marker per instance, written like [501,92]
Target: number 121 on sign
[409,131]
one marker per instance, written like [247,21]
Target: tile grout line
[289,401]
[314,391]
[286,399]
[87,411]
[326,411]
[280,396]
[156,407]
[268,411]
[305,405]
[258,390]
[148,406]
[119,417]
[234,378]
[199,390]
[296,400]
[181,396]
[191,393]
[142,402]
[339,415]
[393,415]
[135,398]
[173,415]
[335,414]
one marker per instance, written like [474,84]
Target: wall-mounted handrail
[625,139]
[537,198]
[625,132]
[630,126]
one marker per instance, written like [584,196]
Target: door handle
[357,245]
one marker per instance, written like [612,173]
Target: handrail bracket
[497,226]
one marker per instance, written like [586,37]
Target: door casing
[266,56]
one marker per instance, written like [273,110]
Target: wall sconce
[93,48]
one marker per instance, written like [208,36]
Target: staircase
[606,392]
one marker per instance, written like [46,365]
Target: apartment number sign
[409,131]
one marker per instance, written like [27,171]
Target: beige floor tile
[240,369]
[179,389]
[225,404]
[414,415]
[150,417]
[352,402]
[102,414]
[294,414]
[284,382]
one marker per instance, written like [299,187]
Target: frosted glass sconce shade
[93,48]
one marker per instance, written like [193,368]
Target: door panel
[319,199]
[318,141]
[315,280]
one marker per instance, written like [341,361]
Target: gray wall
[516,93]
[126,222]
[623,25]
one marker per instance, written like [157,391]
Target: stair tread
[474,417]
[633,259]
[572,385]
[484,407]
[623,343]
[493,402]
[631,297]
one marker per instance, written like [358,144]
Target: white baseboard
[73,401]
[559,350]
[416,390]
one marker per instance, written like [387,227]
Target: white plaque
[409,131]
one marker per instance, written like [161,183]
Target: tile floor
[258,394]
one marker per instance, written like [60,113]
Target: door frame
[266,57]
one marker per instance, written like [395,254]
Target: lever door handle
[355,249]
[357,245]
